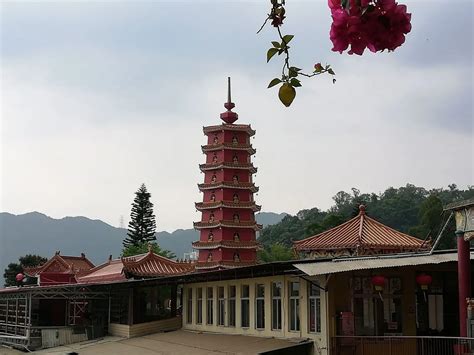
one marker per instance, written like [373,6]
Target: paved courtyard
[177,342]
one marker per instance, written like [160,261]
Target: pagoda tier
[227,227]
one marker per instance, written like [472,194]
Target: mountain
[36,233]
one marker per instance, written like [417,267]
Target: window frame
[245,299]
[189,304]
[277,299]
[232,306]
[294,308]
[316,299]
[259,302]
[221,306]
[199,306]
[210,309]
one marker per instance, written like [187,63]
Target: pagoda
[227,227]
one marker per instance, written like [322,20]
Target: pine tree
[142,226]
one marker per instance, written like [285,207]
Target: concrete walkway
[177,342]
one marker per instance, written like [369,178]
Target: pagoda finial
[229,116]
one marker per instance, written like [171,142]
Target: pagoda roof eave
[215,147]
[226,244]
[226,223]
[229,127]
[228,185]
[227,204]
[223,264]
[207,167]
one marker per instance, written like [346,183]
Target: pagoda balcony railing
[220,146]
[223,264]
[229,127]
[229,244]
[228,223]
[229,204]
[240,166]
[229,184]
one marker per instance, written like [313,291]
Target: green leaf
[271,52]
[295,69]
[287,38]
[274,82]
[330,71]
[276,44]
[295,83]
[292,73]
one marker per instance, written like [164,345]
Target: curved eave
[229,224]
[228,185]
[232,245]
[228,146]
[201,206]
[304,248]
[222,264]
[229,127]
[207,167]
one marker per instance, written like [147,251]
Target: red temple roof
[229,184]
[110,271]
[240,166]
[251,244]
[215,147]
[229,127]
[153,265]
[360,232]
[223,264]
[228,223]
[229,204]
[62,264]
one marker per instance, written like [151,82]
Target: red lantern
[424,281]
[19,277]
[379,282]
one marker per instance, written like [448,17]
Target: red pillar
[464,280]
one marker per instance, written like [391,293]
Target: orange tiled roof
[62,264]
[360,232]
[153,265]
[106,272]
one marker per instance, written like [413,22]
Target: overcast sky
[98,97]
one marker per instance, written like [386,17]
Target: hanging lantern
[379,282]
[19,277]
[424,281]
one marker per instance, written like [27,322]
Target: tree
[143,248]
[13,269]
[277,252]
[142,226]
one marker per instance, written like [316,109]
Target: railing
[401,345]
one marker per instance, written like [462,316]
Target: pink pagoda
[227,227]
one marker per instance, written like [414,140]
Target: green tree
[142,226]
[143,248]
[276,252]
[13,269]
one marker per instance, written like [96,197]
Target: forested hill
[409,209]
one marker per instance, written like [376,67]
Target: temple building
[227,227]
[361,235]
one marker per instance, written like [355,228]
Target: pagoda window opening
[260,306]
[216,140]
[220,306]
[235,179]
[214,158]
[199,306]
[210,237]
[209,257]
[235,198]
[245,306]
[214,178]
[189,310]
[237,257]
[211,218]
[236,218]
[236,237]
[231,306]
[235,141]
[235,159]
[213,198]
[210,305]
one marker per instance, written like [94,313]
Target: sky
[98,97]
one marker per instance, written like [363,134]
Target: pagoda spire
[229,116]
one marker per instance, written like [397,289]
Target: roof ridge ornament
[229,116]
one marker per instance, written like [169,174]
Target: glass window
[260,306]
[189,311]
[245,306]
[276,305]
[199,306]
[220,306]
[210,305]
[294,293]
[314,308]
[231,306]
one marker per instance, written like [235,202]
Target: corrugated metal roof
[360,232]
[341,265]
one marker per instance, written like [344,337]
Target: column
[464,280]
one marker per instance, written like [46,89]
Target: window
[210,305]
[314,309]
[189,311]
[235,179]
[220,306]
[235,198]
[294,293]
[236,257]
[236,237]
[199,306]
[276,305]
[245,306]
[209,257]
[235,140]
[213,198]
[236,218]
[235,159]
[210,237]
[231,306]
[260,306]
